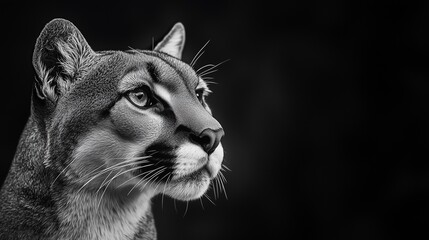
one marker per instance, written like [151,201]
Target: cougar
[108,131]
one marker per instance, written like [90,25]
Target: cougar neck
[89,215]
[31,147]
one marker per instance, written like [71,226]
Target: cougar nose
[209,139]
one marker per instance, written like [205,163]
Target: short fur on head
[108,131]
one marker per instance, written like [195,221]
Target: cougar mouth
[183,172]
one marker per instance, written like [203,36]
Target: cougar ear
[174,42]
[61,56]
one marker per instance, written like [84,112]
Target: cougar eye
[200,94]
[141,97]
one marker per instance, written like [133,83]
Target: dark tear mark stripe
[153,72]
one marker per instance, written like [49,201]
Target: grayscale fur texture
[89,161]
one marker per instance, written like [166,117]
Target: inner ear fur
[61,56]
[174,42]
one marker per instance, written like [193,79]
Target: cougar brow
[134,76]
[166,59]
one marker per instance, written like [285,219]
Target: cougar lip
[210,170]
[197,173]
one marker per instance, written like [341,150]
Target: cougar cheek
[134,124]
[99,148]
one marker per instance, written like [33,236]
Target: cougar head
[124,121]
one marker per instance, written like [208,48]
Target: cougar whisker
[113,166]
[209,82]
[116,166]
[160,180]
[205,66]
[123,172]
[142,179]
[153,177]
[202,205]
[163,191]
[137,176]
[62,171]
[205,195]
[198,55]
[223,181]
[105,188]
[101,185]
[216,187]
[211,68]
[186,209]
[207,72]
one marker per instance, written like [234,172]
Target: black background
[324,104]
